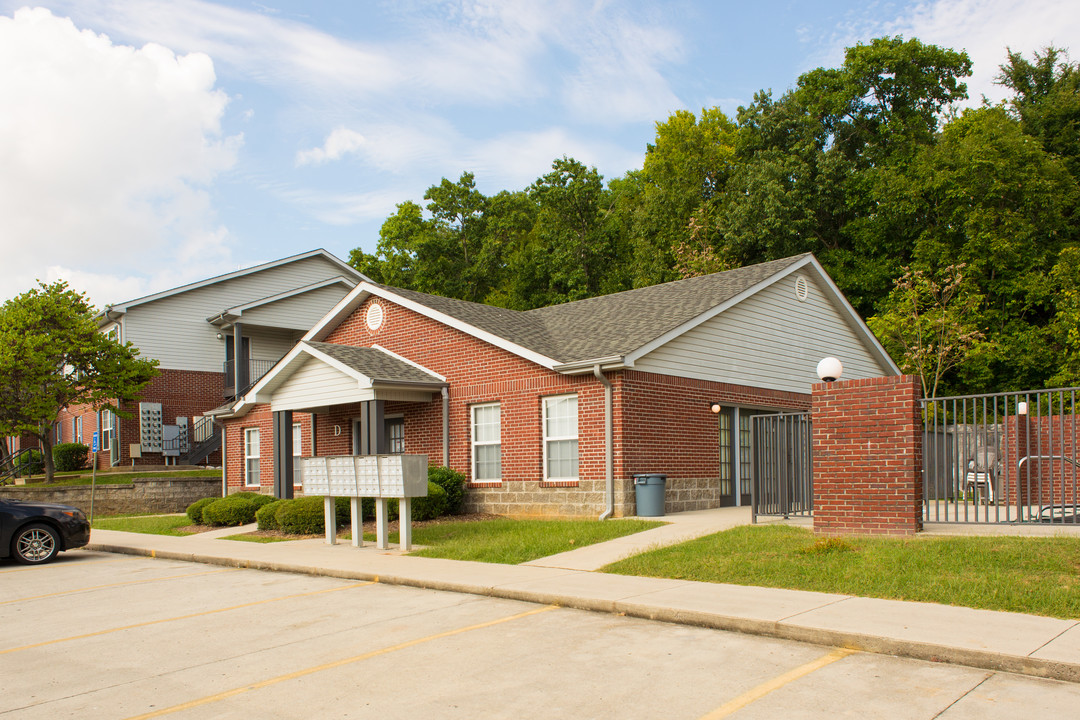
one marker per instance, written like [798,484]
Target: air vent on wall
[802,288]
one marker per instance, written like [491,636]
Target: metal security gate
[782,471]
[1002,458]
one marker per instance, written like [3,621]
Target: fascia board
[715,310]
[854,320]
[362,380]
[464,327]
[364,290]
[407,361]
[238,310]
[246,271]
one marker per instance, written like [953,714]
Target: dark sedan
[34,532]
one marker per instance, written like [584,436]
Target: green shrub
[258,498]
[453,483]
[266,516]
[30,463]
[195,510]
[432,506]
[232,510]
[304,516]
[70,456]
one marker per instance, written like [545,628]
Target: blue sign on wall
[95,446]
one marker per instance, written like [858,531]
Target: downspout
[609,478]
[445,427]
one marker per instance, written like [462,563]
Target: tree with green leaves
[930,324]
[52,356]
[1066,326]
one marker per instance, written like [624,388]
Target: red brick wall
[665,425]
[867,456]
[1047,481]
[661,423]
[260,417]
[182,393]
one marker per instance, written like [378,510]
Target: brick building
[553,411]
[211,338]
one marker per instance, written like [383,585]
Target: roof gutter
[609,476]
[611,362]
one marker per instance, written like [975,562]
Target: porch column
[372,428]
[240,364]
[283,454]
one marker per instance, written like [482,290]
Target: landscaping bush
[266,516]
[30,463]
[195,510]
[432,506]
[453,483]
[259,499]
[232,510]
[304,516]
[70,456]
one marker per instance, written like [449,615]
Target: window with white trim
[59,433]
[251,456]
[561,437]
[76,429]
[486,443]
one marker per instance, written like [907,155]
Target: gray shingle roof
[609,325]
[376,364]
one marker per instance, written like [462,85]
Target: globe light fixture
[829,369]
[716,408]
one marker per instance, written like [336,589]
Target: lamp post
[830,369]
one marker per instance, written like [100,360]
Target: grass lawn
[83,477]
[1039,576]
[150,524]
[515,541]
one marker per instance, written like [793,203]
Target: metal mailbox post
[359,476]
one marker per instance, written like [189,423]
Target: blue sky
[146,143]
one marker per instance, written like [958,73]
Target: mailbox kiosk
[359,476]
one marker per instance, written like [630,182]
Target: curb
[862,642]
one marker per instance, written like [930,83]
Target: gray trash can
[649,494]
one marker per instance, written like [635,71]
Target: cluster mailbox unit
[375,476]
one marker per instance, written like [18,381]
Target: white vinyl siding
[561,437]
[298,312]
[316,384]
[251,456]
[175,331]
[769,340]
[487,443]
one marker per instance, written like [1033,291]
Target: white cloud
[981,27]
[985,27]
[107,153]
[340,142]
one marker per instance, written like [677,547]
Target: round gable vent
[374,316]
[802,288]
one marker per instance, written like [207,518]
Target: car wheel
[35,544]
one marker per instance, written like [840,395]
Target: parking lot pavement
[96,635]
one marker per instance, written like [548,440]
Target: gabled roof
[112,311]
[379,365]
[610,330]
[232,314]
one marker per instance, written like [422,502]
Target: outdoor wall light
[1021,408]
[219,336]
[716,408]
[829,369]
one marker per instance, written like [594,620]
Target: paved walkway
[1010,642]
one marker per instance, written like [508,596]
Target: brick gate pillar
[867,454]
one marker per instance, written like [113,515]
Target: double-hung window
[486,443]
[251,456]
[561,437]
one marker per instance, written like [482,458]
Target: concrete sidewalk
[1010,642]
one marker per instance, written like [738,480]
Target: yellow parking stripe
[119,584]
[331,665]
[775,684]
[182,617]
[69,564]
